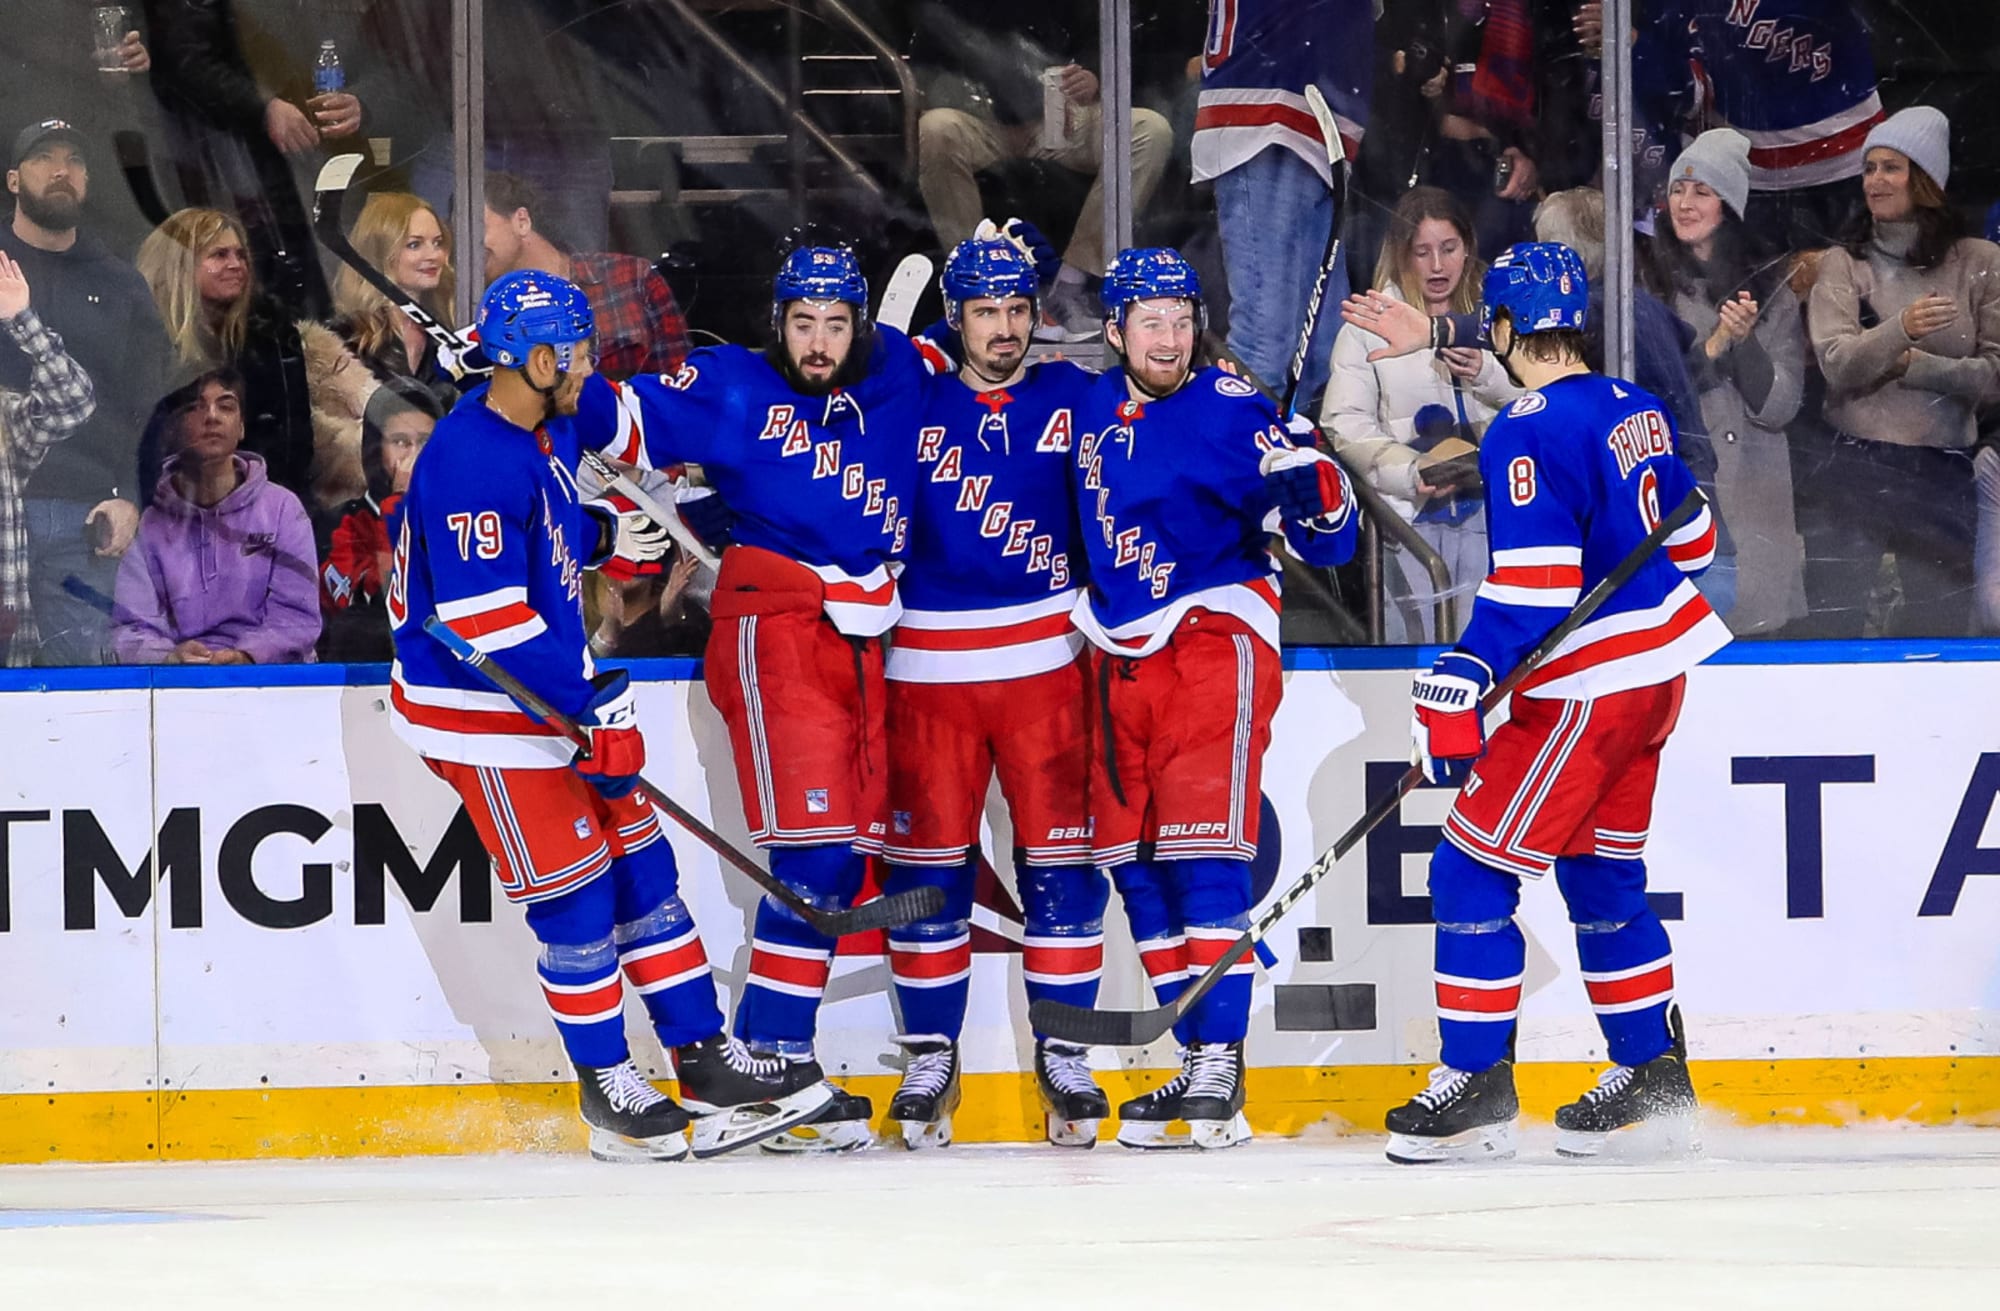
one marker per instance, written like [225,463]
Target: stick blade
[1093,1028]
[1329,129]
[885,912]
[905,288]
[337,173]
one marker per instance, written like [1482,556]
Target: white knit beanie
[1920,132]
[1719,158]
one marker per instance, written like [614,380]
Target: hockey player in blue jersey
[984,678]
[492,539]
[812,444]
[1578,471]
[1181,478]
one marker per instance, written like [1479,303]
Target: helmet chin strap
[1506,357]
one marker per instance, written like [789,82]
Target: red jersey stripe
[511,615]
[974,639]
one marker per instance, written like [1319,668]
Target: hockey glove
[1447,733]
[706,515]
[1032,243]
[617,750]
[1307,487]
[631,544]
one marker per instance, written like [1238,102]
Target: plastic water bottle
[328,75]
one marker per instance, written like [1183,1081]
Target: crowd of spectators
[205,422]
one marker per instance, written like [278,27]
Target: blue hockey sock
[1481,957]
[789,960]
[579,973]
[658,947]
[1622,948]
[1147,895]
[1062,956]
[930,960]
[1213,898]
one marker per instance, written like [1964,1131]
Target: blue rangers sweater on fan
[1176,515]
[993,564]
[1577,474]
[1797,77]
[1259,57]
[493,539]
[824,481]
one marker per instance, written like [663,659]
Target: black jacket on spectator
[104,312]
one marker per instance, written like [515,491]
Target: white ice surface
[1874,1218]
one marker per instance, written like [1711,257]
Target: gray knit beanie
[1719,158]
[1920,132]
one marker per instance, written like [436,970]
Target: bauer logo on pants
[816,801]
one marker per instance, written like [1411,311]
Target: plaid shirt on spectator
[58,399]
[639,327]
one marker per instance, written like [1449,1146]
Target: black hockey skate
[1072,1103]
[629,1119]
[1461,1116]
[1213,1102]
[842,1126]
[922,1107]
[738,1099]
[1635,1099]
[1144,1122]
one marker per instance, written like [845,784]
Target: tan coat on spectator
[1952,372]
[340,386]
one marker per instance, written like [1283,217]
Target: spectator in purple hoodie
[222,571]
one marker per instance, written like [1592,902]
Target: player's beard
[52,210]
[997,372]
[1146,376]
[848,372]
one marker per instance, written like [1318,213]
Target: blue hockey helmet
[1151,273]
[530,308]
[1541,285]
[823,273]
[992,267]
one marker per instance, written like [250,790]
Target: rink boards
[238,918]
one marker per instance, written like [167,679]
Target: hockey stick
[882,913]
[660,513]
[1336,159]
[1080,1024]
[329,190]
[906,287]
[136,164]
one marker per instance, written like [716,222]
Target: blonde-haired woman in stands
[404,237]
[199,266]
[1411,425]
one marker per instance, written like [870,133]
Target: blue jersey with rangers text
[1258,59]
[991,575]
[1176,515]
[1577,474]
[1797,77]
[825,481]
[492,538]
